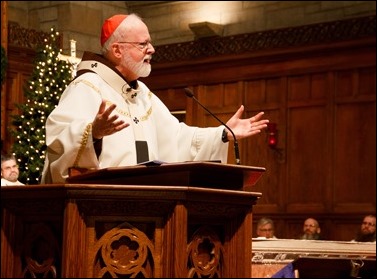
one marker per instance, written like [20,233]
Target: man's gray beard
[144,70]
[315,236]
[140,69]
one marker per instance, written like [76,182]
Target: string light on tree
[41,97]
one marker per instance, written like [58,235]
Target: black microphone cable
[190,94]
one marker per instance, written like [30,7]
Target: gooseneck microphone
[190,94]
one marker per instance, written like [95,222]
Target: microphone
[190,94]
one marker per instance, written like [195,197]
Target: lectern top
[203,174]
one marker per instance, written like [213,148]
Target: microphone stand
[190,94]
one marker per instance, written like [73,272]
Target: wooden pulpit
[181,220]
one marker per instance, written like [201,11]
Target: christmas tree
[47,82]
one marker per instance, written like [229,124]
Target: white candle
[73,48]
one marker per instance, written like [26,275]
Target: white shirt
[5,182]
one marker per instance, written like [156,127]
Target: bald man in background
[311,230]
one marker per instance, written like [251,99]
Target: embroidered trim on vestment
[125,113]
[84,141]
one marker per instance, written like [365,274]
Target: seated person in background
[9,171]
[266,228]
[367,231]
[311,230]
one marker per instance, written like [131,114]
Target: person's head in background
[311,229]
[266,228]
[9,168]
[367,231]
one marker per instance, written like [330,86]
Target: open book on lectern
[207,174]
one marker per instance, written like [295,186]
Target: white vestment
[69,136]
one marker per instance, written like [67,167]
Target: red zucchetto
[109,27]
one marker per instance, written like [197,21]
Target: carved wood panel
[113,231]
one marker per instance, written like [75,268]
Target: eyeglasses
[140,45]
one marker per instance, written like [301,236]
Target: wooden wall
[317,83]
[18,71]
[22,46]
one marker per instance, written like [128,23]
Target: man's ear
[318,230]
[115,51]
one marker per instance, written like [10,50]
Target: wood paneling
[322,96]
[18,72]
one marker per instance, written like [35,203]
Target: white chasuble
[69,136]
